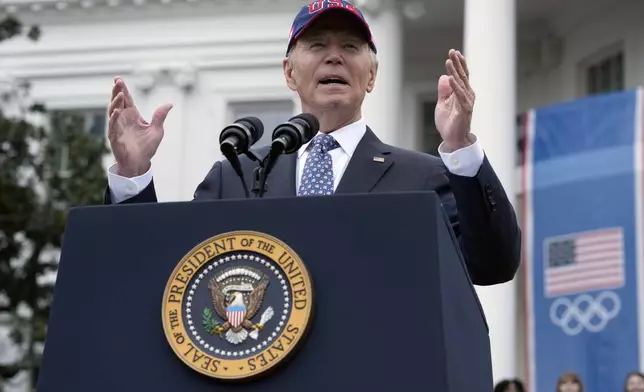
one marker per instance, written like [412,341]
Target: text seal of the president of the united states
[237,305]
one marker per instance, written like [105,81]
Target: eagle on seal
[236,313]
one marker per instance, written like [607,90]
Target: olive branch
[209,322]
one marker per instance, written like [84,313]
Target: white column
[491,57]
[381,108]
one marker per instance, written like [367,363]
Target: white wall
[538,85]
[424,62]
[581,41]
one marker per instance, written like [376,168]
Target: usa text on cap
[309,12]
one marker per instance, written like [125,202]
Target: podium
[391,304]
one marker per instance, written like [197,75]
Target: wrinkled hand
[453,114]
[133,140]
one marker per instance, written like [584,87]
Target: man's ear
[373,71]
[287,65]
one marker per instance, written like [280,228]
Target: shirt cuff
[123,188]
[464,162]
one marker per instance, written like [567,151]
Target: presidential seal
[237,305]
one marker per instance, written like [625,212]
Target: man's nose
[334,57]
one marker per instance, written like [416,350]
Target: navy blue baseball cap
[314,9]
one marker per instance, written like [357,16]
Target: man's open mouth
[333,80]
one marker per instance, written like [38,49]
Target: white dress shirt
[464,162]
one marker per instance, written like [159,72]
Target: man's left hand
[453,115]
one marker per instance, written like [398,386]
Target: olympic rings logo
[585,312]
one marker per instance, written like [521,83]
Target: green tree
[11,27]
[44,170]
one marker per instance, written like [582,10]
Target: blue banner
[582,223]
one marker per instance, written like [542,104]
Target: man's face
[331,64]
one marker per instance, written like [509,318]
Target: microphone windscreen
[312,121]
[257,127]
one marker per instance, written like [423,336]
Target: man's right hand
[133,140]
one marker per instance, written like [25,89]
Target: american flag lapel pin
[378,159]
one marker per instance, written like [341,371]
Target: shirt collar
[347,137]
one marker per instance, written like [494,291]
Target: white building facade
[219,60]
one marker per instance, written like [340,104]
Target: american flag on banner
[584,261]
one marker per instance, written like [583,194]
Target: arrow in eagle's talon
[258,327]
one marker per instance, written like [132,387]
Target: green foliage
[208,321]
[44,170]
[35,195]
[11,27]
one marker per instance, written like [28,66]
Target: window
[92,121]
[272,113]
[606,74]
[95,122]
[430,137]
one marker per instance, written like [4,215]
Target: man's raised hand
[133,140]
[455,104]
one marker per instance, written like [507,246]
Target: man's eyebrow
[314,35]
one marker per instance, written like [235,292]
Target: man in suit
[331,62]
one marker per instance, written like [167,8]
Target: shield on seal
[236,314]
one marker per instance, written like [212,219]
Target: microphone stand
[258,175]
[264,169]
[259,183]
[231,154]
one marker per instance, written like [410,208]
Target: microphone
[287,139]
[240,135]
[291,135]
[236,139]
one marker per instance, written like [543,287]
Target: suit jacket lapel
[369,162]
[281,180]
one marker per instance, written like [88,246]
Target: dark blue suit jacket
[482,218]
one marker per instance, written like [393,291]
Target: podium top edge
[379,195]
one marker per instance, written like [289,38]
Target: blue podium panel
[391,305]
